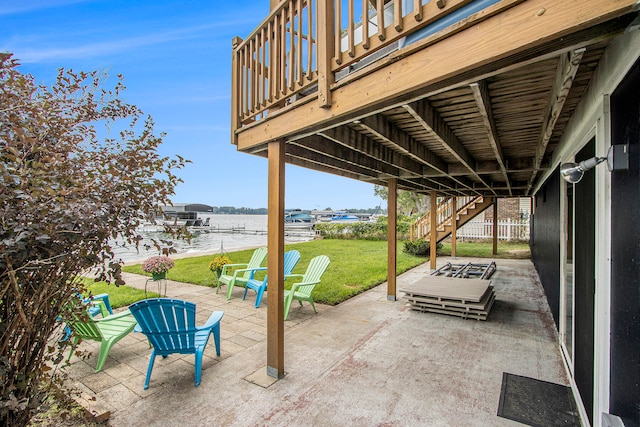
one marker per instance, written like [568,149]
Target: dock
[235,229]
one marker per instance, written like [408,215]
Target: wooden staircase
[467,209]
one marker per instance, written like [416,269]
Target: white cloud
[100,42]
[14,7]
[106,48]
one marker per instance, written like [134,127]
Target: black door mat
[536,403]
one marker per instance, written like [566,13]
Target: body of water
[250,232]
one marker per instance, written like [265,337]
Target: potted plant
[218,262]
[158,266]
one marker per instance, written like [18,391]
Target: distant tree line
[232,210]
[376,210]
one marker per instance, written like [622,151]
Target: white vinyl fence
[507,230]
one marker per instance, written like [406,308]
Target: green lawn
[119,296]
[485,250]
[356,265]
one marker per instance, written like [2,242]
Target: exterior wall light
[617,159]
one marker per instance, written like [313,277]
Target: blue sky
[175,56]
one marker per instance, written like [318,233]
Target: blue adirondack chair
[291,258]
[94,309]
[170,326]
[301,291]
[239,274]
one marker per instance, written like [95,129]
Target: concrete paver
[367,361]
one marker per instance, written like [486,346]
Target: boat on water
[344,217]
[298,220]
[180,215]
[339,216]
[185,214]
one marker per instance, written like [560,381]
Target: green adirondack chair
[239,274]
[108,330]
[301,291]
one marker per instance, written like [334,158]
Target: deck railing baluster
[283,54]
[310,40]
[380,11]
[397,16]
[350,30]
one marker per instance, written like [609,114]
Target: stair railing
[444,214]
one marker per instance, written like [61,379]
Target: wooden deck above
[475,107]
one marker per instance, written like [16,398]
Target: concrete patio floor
[365,362]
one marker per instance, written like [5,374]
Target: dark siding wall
[545,248]
[625,266]
[584,262]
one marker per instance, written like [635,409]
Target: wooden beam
[566,72]
[427,117]
[275,261]
[433,230]
[301,156]
[298,159]
[430,120]
[392,209]
[454,225]
[495,226]
[366,146]
[362,144]
[390,133]
[563,24]
[432,184]
[524,164]
[235,90]
[328,148]
[483,101]
[325,51]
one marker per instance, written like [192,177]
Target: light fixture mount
[617,159]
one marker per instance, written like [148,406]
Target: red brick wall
[507,209]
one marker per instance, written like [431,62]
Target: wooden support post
[235,91]
[275,260]
[433,230]
[495,226]
[392,208]
[454,224]
[325,50]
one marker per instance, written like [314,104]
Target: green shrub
[419,247]
[70,184]
[364,230]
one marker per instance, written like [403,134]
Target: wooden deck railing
[297,49]
[276,61]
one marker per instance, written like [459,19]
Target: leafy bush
[363,230]
[65,195]
[419,247]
